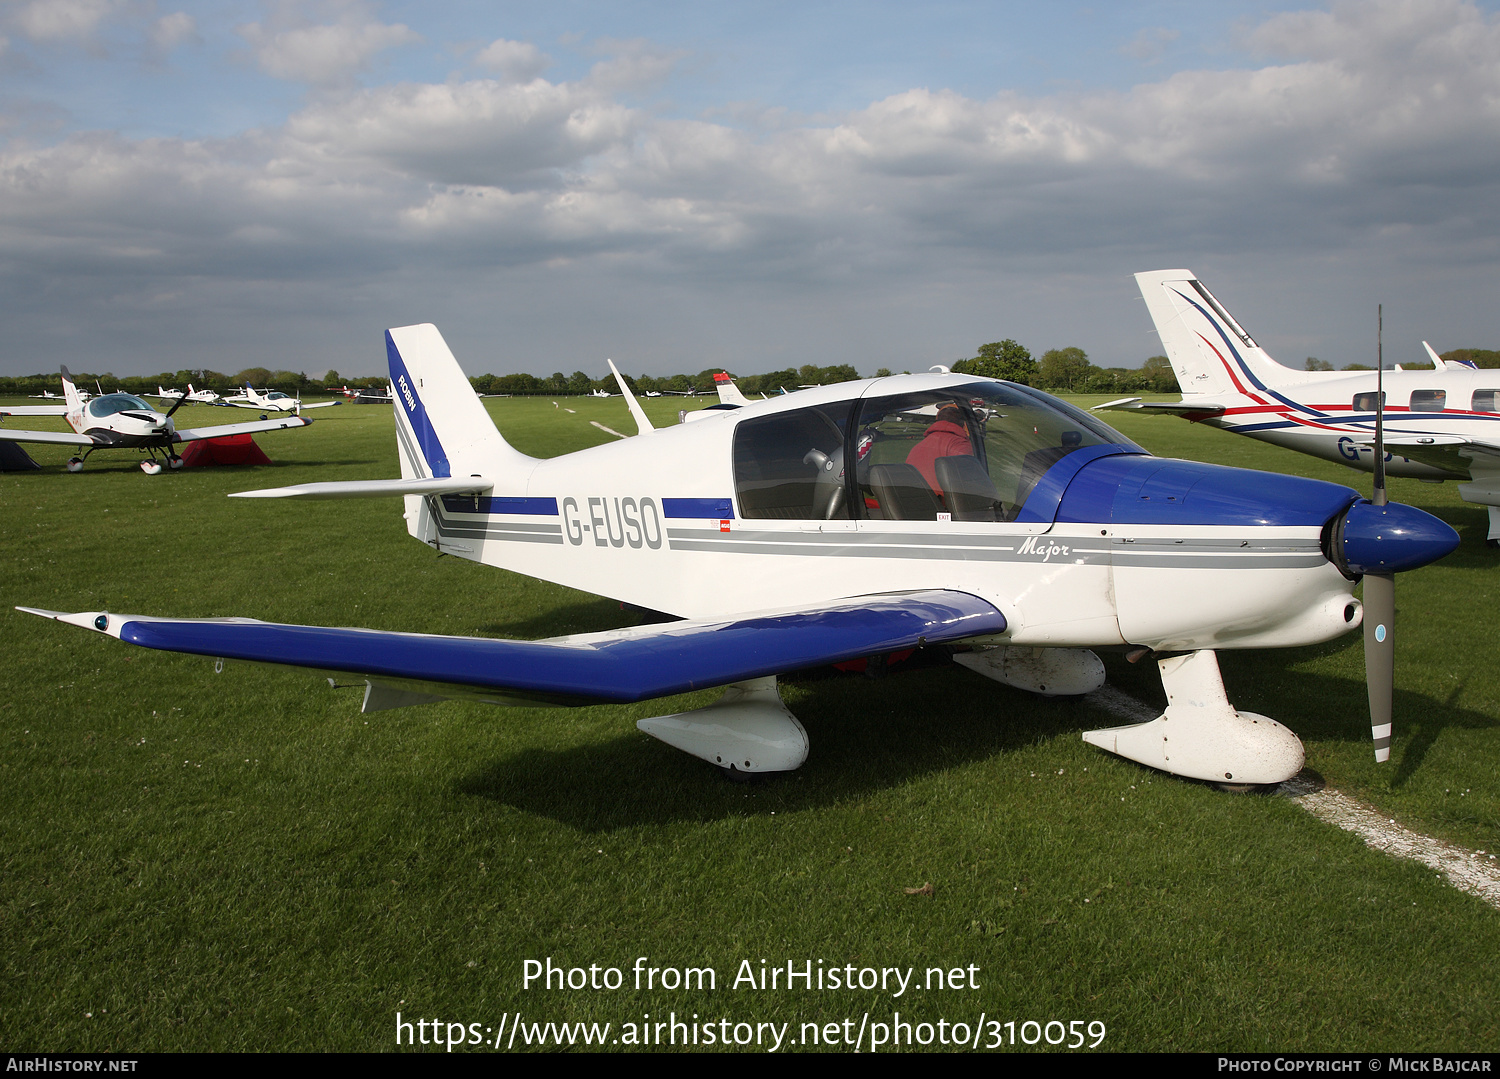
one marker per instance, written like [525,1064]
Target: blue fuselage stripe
[714,508]
[532,507]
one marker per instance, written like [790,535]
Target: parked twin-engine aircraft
[1441,423]
[273,401]
[851,521]
[123,421]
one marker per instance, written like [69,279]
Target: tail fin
[70,391]
[1210,352]
[729,393]
[442,428]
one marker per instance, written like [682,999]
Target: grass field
[194,860]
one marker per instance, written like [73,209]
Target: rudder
[1210,352]
[441,425]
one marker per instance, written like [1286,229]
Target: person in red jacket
[948,437]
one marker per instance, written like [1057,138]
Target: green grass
[241,861]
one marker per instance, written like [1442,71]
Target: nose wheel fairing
[1201,735]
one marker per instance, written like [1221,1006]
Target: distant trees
[1001,359]
[1315,364]
[1066,369]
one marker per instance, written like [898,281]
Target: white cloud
[1150,45]
[633,66]
[323,54]
[173,30]
[519,61]
[477,132]
[1376,129]
[62,20]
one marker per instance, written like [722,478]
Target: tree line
[1063,370]
[1479,357]
[1067,370]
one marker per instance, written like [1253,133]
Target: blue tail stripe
[416,413]
[1245,367]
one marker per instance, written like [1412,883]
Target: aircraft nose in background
[1392,538]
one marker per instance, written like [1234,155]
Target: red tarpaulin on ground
[229,450]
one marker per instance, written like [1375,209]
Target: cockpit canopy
[112,403]
[966,452]
[277,395]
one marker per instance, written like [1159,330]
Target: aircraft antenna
[1380,588]
[1379,497]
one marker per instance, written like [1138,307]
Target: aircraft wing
[455,485]
[66,438]
[1454,453]
[195,433]
[1168,408]
[320,404]
[618,666]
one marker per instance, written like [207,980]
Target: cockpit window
[790,465]
[1428,400]
[277,395]
[1484,401]
[972,452]
[111,403]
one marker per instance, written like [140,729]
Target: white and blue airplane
[123,421]
[1441,423]
[852,521]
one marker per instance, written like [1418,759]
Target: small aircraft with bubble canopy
[124,421]
[853,521]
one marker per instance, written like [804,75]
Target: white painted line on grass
[608,430]
[1474,872]
[1467,870]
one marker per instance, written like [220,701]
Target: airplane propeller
[1380,588]
[1376,540]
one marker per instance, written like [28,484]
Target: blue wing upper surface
[618,666]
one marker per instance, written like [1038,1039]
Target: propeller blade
[1380,589]
[1380,658]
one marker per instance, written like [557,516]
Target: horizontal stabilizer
[618,666]
[1166,408]
[456,485]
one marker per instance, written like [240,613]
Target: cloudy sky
[229,183]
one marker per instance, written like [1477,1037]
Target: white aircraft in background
[729,393]
[1441,423]
[852,521]
[123,421]
[203,397]
[273,401]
